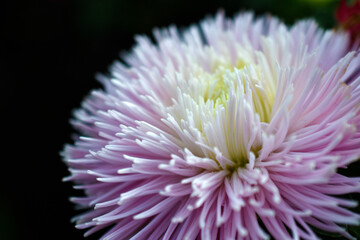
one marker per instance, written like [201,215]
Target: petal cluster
[232,129]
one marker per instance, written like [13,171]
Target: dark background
[51,52]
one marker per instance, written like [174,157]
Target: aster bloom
[231,129]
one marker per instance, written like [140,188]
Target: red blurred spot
[348,17]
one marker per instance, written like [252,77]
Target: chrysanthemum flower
[231,129]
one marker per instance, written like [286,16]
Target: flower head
[232,129]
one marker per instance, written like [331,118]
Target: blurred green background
[95,17]
[53,48]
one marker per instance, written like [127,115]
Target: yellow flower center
[263,90]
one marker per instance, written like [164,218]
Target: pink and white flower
[231,129]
